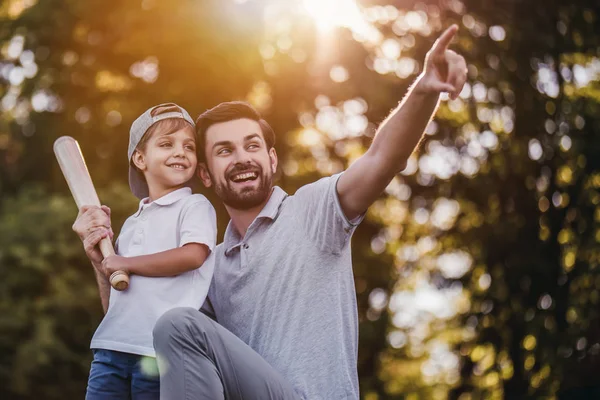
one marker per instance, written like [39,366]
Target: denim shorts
[122,376]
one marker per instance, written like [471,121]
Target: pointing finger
[442,42]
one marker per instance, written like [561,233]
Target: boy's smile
[168,161]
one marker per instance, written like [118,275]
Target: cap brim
[137,184]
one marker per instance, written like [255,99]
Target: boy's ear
[138,160]
[204,175]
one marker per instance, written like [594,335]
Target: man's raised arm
[362,183]
[92,225]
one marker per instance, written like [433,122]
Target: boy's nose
[178,151]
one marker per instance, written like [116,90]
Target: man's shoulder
[320,185]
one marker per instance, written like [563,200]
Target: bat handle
[118,279]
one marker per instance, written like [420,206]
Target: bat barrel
[75,171]
[72,164]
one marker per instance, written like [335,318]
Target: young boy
[162,246]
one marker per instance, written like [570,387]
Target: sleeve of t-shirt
[319,212]
[198,222]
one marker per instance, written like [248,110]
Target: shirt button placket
[139,233]
[243,254]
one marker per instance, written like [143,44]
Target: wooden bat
[78,178]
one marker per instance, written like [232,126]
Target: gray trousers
[200,359]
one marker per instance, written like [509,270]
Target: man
[283,291]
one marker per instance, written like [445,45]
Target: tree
[475,271]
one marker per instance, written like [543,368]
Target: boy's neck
[242,219]
[157,193]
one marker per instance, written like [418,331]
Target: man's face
[239,165]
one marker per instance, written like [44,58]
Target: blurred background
[476,272]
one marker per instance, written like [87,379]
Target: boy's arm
[166,263]
[198,231]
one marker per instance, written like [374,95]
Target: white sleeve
[198,222]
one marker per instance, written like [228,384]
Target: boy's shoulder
[193,199]
[184,202]
[194,203]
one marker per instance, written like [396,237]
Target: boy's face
[168,161]
[239,165]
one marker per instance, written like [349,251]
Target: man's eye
[223,151]
[253,146]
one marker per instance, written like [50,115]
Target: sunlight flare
[329,14]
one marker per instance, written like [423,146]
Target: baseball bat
[72,164]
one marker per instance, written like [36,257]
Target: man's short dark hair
[230,111]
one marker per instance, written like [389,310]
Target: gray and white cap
[140,126]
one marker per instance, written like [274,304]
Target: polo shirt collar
[167,199]
[270,210]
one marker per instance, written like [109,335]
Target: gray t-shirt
[287,290]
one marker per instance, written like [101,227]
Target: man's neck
[242,219]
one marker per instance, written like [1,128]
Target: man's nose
[242,157]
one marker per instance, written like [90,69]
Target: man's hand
[445,70]
[92,225]
[115,263]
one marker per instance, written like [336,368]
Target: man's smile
[244,176]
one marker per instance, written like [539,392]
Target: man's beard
[248,197]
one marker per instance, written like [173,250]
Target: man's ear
[204,175]
[273,159]
[139,160]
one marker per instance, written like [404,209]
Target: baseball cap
[140,126]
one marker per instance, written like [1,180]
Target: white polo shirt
[169,222]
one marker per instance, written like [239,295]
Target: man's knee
[179,323]
[173,324]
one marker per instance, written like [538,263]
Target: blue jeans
[122,376]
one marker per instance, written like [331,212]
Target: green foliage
[476,272]
[48,295]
